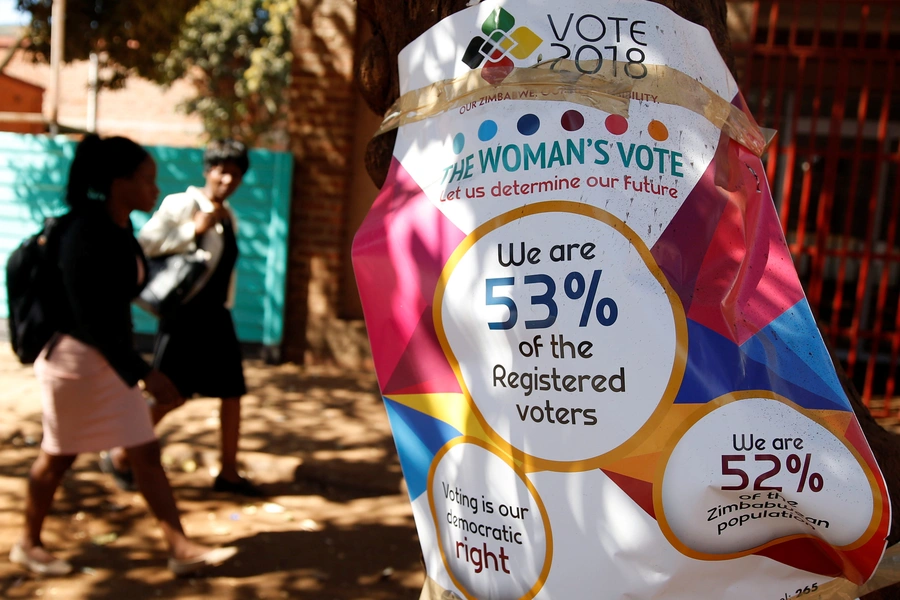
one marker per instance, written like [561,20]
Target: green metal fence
[33,171]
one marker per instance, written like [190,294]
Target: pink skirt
[86,405]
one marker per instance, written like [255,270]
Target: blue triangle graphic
[792,346]
[418,437]
[717,366]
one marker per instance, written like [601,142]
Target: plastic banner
[602,375]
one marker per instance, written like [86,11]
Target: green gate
[33,171]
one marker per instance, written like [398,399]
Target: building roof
[6,77]
[10,31]
[141,110]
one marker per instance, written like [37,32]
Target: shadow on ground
[336,523]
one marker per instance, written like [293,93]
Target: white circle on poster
[564,330]
[756,470]
[493,529]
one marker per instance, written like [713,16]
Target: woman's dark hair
[98,162]
[223,151]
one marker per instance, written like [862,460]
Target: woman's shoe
[241,487]
[18,556]
[124,479]
[213,558]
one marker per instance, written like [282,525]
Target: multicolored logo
[502,42]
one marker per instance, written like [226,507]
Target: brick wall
[322,128]
[141,110]
[17,96]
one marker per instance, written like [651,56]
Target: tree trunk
[395,23]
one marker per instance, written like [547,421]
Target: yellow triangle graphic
[643,467]
[452,409]
[836,421]
[658,439]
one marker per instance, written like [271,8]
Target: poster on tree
[602,375]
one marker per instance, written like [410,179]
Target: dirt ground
[336,525]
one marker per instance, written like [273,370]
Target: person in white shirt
[196,345]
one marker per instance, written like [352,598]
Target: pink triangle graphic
[398,254]
[747,278]
[423,368]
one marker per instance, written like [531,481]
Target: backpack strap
[52,344]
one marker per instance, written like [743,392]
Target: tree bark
[395,23]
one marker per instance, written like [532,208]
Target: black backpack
[34,290]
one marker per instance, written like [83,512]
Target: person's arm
[96,277]
[232,283]
[171,229]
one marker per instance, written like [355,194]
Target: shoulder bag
[170,281]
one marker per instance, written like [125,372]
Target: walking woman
[89,374]
[196,345]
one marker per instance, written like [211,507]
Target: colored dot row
[571,120]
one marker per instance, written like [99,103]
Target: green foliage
[126,34]
[237,54]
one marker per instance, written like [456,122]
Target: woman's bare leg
[154,486]
[230,421]
[43,480]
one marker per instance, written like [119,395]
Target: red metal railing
[823,72]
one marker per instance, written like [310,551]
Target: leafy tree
[237,54]
[127,35]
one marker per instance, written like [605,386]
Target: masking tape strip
[432,590]
[609,89]
[888,573]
